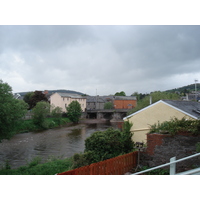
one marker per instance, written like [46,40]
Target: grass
[35,167]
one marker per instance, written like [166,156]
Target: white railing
[172,165]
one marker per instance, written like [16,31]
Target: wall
[160,148]
[124,104]
[150,115]
[56,100]
[63,102]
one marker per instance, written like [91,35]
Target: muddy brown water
[60,142]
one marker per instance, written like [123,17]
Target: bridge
[107,114]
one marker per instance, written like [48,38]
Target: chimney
[46,92]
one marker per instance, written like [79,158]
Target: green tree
[27,98]
[74,111]
[108,105]
[56,113]
[103,145]
[37,97]
[11,111]
[40,112]
[122,93]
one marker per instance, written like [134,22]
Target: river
[59,142]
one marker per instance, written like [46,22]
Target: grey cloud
[107,58]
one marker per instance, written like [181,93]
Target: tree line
[13,111]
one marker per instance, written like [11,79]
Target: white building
[64,99]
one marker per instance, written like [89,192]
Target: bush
[108,105]
[107,144]
[56,113]
[198,147]
[34,167]
[40,112]
[74,111]
[175,125]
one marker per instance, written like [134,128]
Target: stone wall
[160,148]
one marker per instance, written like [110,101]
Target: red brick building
[124,102]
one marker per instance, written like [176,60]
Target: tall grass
[35,167]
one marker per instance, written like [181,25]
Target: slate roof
[75,96]
[103,99]
[99,99]
[125,98]
[191,107]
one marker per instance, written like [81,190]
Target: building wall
[63,102]
[82,102]
[124,104]
[157,112]
[160,148]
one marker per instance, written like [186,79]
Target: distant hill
[54,91]
[185,89]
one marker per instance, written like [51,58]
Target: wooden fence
[114,166]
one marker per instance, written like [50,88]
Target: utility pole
[196,89]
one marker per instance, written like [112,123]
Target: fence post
[172,166]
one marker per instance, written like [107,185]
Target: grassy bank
[28,125]
[35,167]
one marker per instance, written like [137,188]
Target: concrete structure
[119,102]
[109,114]
[64,99]
[160,111]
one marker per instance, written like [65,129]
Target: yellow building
[64,99]
[160,111]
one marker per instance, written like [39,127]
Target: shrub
[108,105]
[40,112]
[56,113]
[74,111]
[107,144]
[198,146]
[176,125]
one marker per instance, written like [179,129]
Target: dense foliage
[108,105]
[122,93]
[156,96]
[40,112]
[185,89]
[34,98]
[74,111]
[28,125]
[27,98]
[35,167]
[103,145]
[11,111]
[175,125]
[56,113]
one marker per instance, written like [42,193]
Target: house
[124,102]
[64,99]
[97,102]
[119,102]
[160,111]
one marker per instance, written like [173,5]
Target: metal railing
[172,165]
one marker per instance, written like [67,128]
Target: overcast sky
[99,59]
